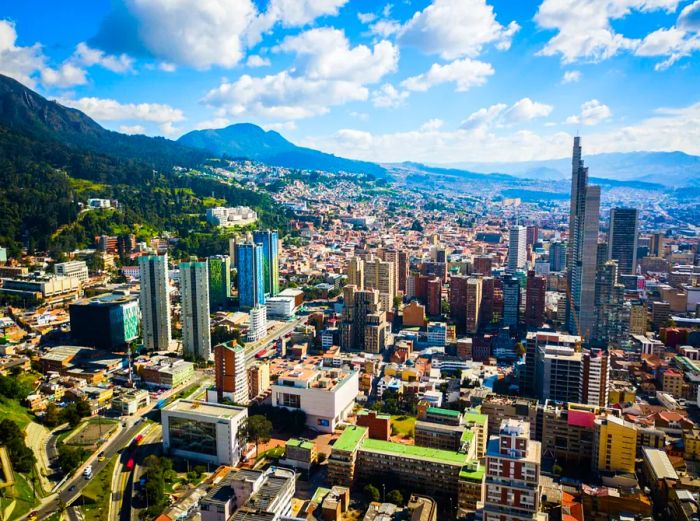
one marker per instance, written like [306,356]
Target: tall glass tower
[155,302]
[269,240]
[251,274]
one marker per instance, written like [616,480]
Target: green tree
[371,492]
[82,406]
[70,458]
[258,428]
[52,416]
[12,437]
[71,415]
[395,496]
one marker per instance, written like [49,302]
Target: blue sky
[438,81]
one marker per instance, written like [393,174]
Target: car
[33,516]
[72,488]
[101,456]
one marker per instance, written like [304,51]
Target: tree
[71,415]
[371,492]
[258,428]
[70,458]
[12,437]
[397,302]
[395,496]
[52,415]
[416,226]
[82,406]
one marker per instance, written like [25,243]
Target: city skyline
[384,82]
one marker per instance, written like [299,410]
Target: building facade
[155,302]
[196,330]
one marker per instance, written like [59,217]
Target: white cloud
[456,28]
[87,56]
[465,73]
[571,77]
[167,67]
[103,109]
[66,75]
[385,28]
[20,63]
[362,116]
[284,126]
[584,29]
[388,96]
[292,13]
[255,60]
[672,43]
[212,123]
[689,19]
[168,129]
[132,129]
[366,18]
[325,53]
[432,125]
[667,130]
[502,115]
[592,113]
[282,96]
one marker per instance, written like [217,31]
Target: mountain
[671,169]
[252,142]
[26,112]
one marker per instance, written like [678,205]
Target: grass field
[24,495]
[89,433]
[403,425]
[13,410]
[97,493]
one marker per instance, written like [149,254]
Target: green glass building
[219,282]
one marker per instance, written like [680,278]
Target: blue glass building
[269,240]
[251,274]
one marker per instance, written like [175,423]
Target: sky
[436,81]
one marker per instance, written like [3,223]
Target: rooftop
[443,412]
[350,439]
[414,452]
[212,410]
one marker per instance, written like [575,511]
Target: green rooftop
[320,493]
[412,451]
[473,417]
[365,412]
[467,436]
[350,439]
[472,472]
[443,412]
[304,444]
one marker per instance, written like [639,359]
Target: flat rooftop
[212,410]
[414,452]
[350,439]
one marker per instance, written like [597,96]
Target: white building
[234,216]
[194,288]
[517,248]
[326,396]
[99,203]
[282,307]
[155,302]
[77,269]
[257,328]
[203,431]
[560,374]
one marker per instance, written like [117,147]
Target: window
[289,400]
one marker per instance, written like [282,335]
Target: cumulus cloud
[212,123]
[255,60]
[385,28]
[672,43]
[592,113]
[689,19]
[501,114]
[388,96]
[132,129]
[87,56]
[283,126]
[571,77]
[456,28]
[465,73]
[103,109]
[66,75]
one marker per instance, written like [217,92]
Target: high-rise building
[536,343]
[231,377]
[614,445]
[483,264]
[379,275]
[533,235]
[557,256]
[251,279]
[194,288]
[595,377]
[612,324]
[517,248]
[269,240]
[155,302]
[473,304]
[257,324]
[512,474]
[656,244]
[219,282]
[108,321]
[434,297]
[511,301]
[623,235]
[487,309]
[584,222]
[559,374]
[363,325]
[458,301]
[402,270]
[535,300]
[638,319]
[356,272]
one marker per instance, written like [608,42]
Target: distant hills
[671,169]
[249,141]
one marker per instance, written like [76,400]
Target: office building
[269,240]
[559,374]
[517,248]
[483,264]
[595,378]
[612,323]
[512,474]
[557,256]
[203,431]
[403,267]
[473,304]
[511,301]
[326,396]
[584,221]
[380,275]
[194,289]
[44,289]
[535,290]
[164,372]
[108,321]
[155,302]
[364,325]
[434,297]
[356,273]
[657,245]
[77,269]
[458,301]
[623,235]
[535,343]
[257,324]
[638,319]
[280,307]
[614,445]
[250,275]
[219,282]
[231,376]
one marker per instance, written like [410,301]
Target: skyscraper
[194,288]
[155,302]
[251,279]
[379,275]
[557,256]
[473,304]
[517,248]
[364,323]
[534,300]
[230,373]
[656,244]
[622,239]
[271,262]
[458,300]
[511,301]
[612,323]
[584,221]
[595,377]
[356,272]
[219,282]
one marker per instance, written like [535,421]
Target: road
[255,347]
